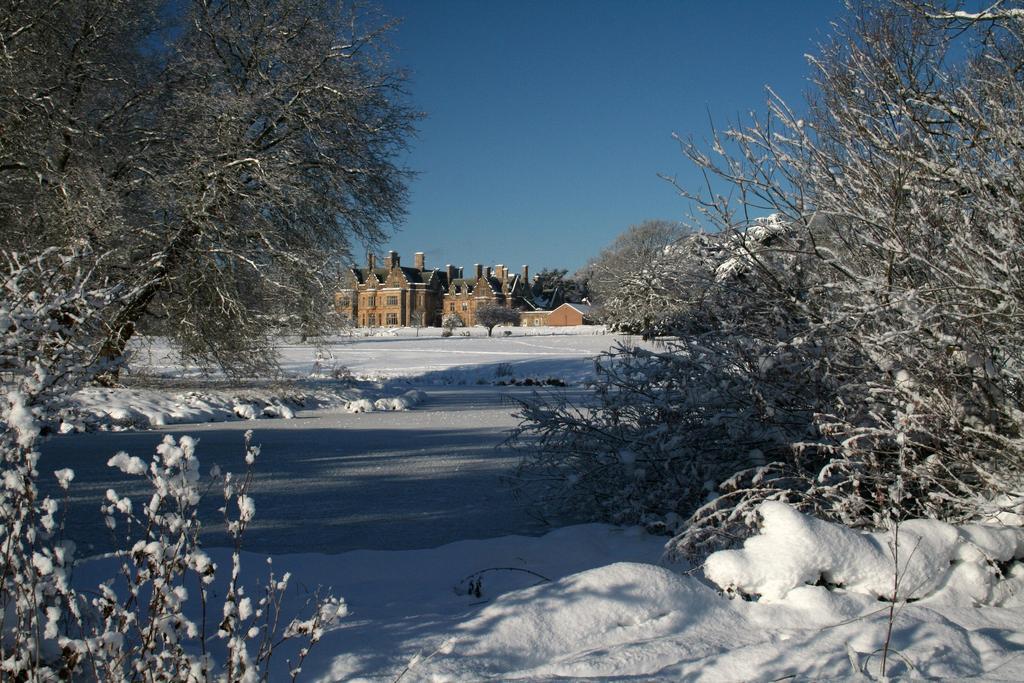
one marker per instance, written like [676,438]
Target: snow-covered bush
[920,558]
[657,435]
[147,606]
[902,250]
[865,339]
[360,405]
[407,400]
[404,401]
[664,429]
[48,305]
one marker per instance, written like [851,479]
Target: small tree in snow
[450,322]
[491,315]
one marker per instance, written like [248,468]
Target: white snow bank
[95,408]
[360,405]
[545,629]
[922,558]
[637,621]
[405,401]
[618,618]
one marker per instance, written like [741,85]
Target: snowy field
[359,372]
[400,510]
[467,356]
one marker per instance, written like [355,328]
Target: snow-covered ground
[593,602]
[424,355]
[379,480]
[360,372]
[378,505]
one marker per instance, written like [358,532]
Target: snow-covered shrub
[918,559]
[245,411]
[657,435]
[360,405]
[163,566]
[49,309]
[135,626]
[278,409]
[902,213]
[664,429]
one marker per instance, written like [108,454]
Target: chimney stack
[419,261]
[392,260]
[371,261]
[478,270]
[487,272]
[526,275]
[501,272]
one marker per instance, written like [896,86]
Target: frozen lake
[331,481]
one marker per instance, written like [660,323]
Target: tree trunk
[123,325]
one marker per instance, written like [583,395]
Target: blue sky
[548,122]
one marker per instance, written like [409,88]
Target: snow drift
[921,558]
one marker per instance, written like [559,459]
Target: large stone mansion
[393,295]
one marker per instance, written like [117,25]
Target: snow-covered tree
[450,322]
[491,315]
[865,340]
[627,268]
[223,156]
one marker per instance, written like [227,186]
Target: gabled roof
[415,275]
[363,274]
[440,277]
[584,309]
[531,306]
[411,275]
[462,283]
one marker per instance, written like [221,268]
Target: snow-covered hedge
[921,558]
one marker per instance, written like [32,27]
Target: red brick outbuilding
[571,314]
